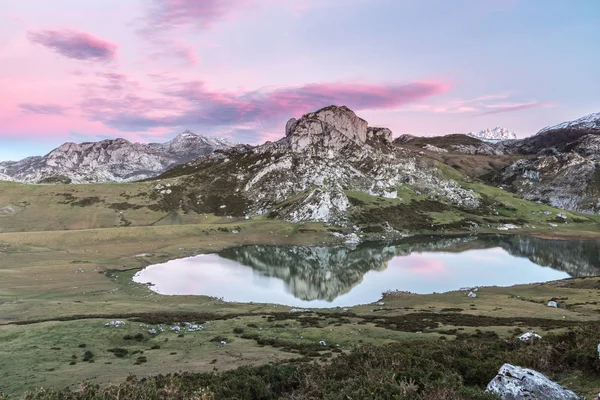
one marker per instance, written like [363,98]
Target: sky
[146,70]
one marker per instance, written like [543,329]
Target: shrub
[88,356]
[119,352]
[238,331]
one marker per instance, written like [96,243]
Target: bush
[238,331]
[419,370]
[88,356]
[119,352]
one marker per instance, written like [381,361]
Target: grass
[417,369]
[68,253]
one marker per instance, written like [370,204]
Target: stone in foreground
[516,383]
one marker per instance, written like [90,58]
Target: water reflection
[329,276]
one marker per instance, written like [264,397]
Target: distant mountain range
[496,134]
[330,150]
[112,160]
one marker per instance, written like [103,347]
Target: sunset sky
[145,70]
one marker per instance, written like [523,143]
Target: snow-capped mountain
[591,121]
[496,134]
[111,160]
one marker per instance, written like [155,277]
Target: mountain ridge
[110,160]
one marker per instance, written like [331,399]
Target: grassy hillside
[68,253]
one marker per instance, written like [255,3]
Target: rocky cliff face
[305,176]
[559,166]
[115,160]
[565,171]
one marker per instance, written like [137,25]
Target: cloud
[193,104]
[75,45]
[177,50]
[43,109]
[167,14]
[478,106]
[511,107]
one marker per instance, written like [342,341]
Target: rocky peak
[331,127]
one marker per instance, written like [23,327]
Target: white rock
[472,295]
[223,342]
[435,149]
[529,336]
[299,310]
[323,343]
[114,324]
[352,238]
[516,383]
[553,304]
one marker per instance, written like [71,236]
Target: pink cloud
[511,107]
[177,50]
[193,103]
[44,109]
[166,14]
[75,45]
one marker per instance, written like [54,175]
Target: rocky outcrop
[565,180]
[6,178]
[516,383]
[115,160]
[305,176]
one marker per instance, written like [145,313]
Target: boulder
[516,383]
[529,336]
[552,303]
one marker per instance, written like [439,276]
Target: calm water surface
[305,276]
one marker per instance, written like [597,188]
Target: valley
[69,253]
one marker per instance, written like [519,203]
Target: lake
[318,276]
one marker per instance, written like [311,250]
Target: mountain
[558,166]
[591,121]
[111,160]
[494,135]
[327,161]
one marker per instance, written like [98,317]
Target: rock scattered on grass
[529,336]
[114,324]
[515,383]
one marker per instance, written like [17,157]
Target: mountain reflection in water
[340,275]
